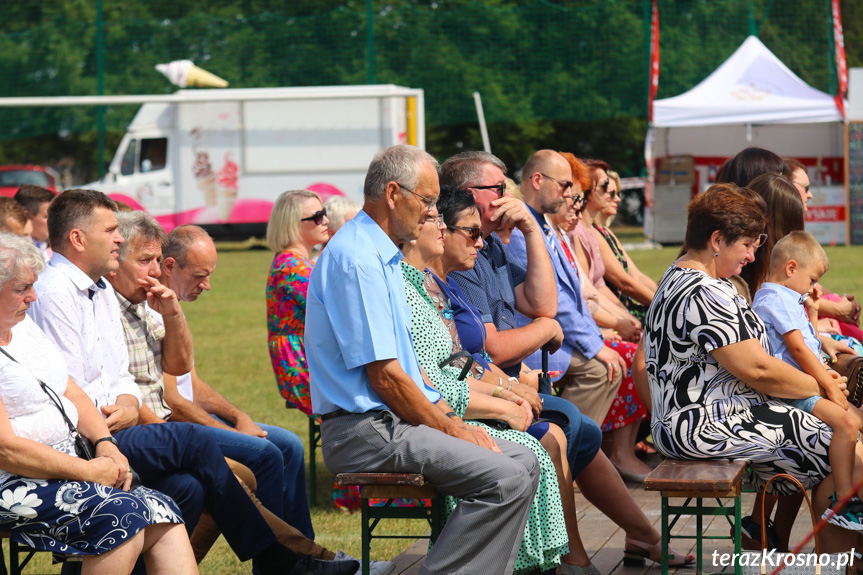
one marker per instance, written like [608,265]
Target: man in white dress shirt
[78,310]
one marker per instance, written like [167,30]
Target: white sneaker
[375,567]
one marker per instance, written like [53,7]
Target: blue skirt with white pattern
[79,517]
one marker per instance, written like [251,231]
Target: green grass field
[230,334]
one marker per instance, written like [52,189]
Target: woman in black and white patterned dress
[709,363]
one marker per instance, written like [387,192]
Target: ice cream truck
[220,158]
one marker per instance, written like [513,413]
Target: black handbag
[83,447]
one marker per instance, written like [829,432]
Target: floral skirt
[288,357]
[627,407]
[78,517]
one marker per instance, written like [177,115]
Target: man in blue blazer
[591,371]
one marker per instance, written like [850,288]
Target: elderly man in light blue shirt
[379,412]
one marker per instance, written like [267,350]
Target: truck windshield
[127,166]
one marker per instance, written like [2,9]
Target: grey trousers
[484,532]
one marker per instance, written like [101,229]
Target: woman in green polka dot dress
[549,533]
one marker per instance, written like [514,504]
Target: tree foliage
[565,74]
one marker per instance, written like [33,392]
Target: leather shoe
[310,566]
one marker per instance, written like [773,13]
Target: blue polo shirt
[781,311]
[357,313]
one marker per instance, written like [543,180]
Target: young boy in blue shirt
[797,263]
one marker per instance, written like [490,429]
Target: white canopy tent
[752,99]
[752,87]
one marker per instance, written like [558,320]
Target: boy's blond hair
[801,247]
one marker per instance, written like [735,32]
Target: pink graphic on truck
[228,187]
[205,180]
[247,211]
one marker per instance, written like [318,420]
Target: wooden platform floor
[604,540]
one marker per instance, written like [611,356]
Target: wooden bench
[698,480]
[391,486]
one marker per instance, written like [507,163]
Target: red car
[12,177]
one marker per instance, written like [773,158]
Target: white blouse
[31,412]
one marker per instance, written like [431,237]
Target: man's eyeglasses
[564,184]
[473,233]
[501,188]
[428,202]
[317,217]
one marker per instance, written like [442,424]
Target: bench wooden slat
[696,476]
[392,479]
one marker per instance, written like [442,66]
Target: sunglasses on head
[473,233]
[317,217]
[501,188]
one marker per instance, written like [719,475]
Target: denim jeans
[278,463]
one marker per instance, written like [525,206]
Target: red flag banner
[654,60]
[841,66]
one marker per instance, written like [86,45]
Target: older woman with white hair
[339,210]
[50,498]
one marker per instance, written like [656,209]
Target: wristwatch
[109,438]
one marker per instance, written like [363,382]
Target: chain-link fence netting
[575,60]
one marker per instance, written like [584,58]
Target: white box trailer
[220,158]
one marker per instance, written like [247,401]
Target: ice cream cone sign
[184,73]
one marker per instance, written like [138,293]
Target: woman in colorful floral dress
[297,224]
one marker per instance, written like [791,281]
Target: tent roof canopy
[752,87]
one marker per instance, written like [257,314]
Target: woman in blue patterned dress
[51,499]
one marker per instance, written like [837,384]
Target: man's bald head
[546,181]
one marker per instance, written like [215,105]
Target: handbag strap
[454,357]
[811,512]
[52,395]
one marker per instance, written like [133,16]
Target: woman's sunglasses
[317,217]
[473,233]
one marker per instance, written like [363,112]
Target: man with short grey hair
[78,311]
[379,414]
